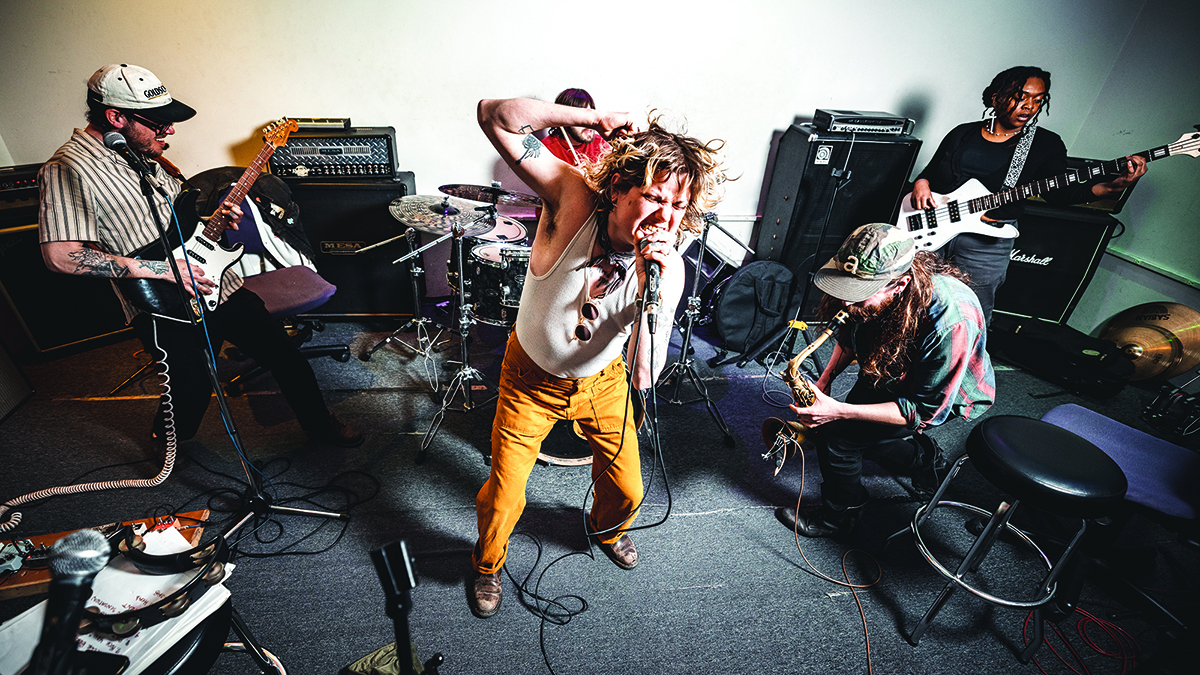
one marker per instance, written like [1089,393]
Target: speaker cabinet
[824,185]
[342,217]
[1053,260]
[52,310]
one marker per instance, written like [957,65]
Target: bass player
[985,151]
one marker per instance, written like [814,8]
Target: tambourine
[208,559]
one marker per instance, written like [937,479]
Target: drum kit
[489,260]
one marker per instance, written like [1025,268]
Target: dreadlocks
[1006,85]
[895,325]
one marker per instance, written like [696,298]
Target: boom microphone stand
[686,364]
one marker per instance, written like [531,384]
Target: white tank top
[549,312]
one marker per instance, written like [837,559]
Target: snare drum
[507,231]
[497,275]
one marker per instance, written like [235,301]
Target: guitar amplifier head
[357,152]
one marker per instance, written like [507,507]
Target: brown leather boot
[485,594]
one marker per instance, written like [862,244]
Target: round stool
[1037,463]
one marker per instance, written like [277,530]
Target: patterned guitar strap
[1018,158]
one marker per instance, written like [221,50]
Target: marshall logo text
[1017,256]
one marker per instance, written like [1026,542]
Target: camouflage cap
[870,257]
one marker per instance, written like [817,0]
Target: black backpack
[751,304]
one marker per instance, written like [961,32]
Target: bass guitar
[203,247]
[961,211]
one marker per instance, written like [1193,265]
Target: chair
[1032,462]
[287,292]
[1163,479]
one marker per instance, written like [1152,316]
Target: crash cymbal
[1161,338]
[440,215]
[491,195]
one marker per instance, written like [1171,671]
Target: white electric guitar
[961,211]
[203,247]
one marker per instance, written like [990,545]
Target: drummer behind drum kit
[487,268]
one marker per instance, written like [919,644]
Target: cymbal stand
[425,346]
[466,375]
[686,364]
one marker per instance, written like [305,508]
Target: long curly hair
[1007,84]
[639,160]
[896,325]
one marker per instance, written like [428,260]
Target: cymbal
[1161,338]
[440,215]
[491,195]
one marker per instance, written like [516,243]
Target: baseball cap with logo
[127,87]
[870,257]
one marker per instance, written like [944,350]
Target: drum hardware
[685,366]
[426,345]
[466,375]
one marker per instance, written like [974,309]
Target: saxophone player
[918,334]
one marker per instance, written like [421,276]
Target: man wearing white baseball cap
[917,332]
[93,216]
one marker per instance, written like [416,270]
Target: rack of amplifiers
[343,178]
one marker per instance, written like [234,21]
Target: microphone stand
[686,364]
[257,504]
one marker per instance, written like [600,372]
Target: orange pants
[530,402]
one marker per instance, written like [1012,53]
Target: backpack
[751,304]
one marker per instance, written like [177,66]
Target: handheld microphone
[653,273]
[74,561]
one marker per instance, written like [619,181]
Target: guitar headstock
[276,133]
[1188,144]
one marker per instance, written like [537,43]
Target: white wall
[735,70]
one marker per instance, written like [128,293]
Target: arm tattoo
[92,263]
[156,266]
[533,147]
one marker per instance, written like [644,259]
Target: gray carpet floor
[721,587]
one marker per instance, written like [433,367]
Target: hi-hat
[440,215]
[491,195]
[1161,338]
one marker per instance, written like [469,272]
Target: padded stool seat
[1029,461]
[1046,466]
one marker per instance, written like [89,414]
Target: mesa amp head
[861,122]
[338,154]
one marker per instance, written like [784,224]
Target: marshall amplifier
[1053,260]
[337,154]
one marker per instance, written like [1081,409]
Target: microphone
[74,561]
[113,140]
[653,273]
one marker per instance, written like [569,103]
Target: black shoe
[929,473]
[338,433]
[819,521]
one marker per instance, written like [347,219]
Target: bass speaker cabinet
[1053,260]
[341,217]
[824,185]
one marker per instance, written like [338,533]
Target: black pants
[843,445]
[244,321]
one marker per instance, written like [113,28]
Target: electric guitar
[203,247]
[961,211]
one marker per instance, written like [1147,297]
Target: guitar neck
[1072,177]
[220,221]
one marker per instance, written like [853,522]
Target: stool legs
[970,563]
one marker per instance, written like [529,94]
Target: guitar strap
[1019,157]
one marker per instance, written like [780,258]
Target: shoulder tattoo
[533,147]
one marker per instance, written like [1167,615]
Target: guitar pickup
[955,215]
[197,256]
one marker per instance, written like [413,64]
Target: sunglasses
[157,127]
[589,311]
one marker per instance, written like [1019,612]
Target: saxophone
[784,438]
